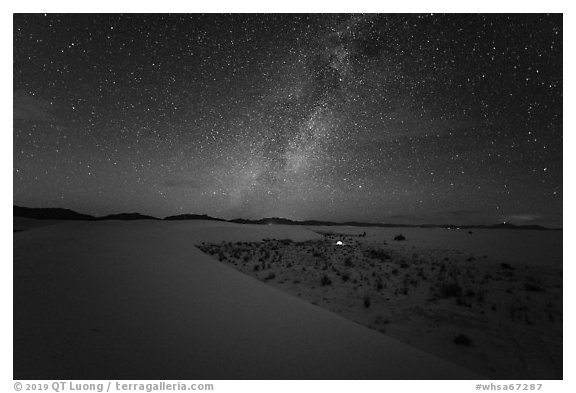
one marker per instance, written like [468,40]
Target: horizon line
[301,222]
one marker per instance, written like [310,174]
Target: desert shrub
[325,280]
[463,302]
[345,276]
[532,287]
[270,276]
[348,262]
[379,285]
[366,301]
[463,339]
[399,238]
[403,264]
[256,268]
[519,312]
[451,289]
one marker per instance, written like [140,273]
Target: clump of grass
[348,262]
[463,302]
[520,313]
[532,287]
[366,301]
[399,238]
[451,289]
[506,266]
[325,280]
[463,339]
[270,276]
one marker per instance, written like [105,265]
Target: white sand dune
[137,300]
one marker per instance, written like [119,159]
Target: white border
[303,6]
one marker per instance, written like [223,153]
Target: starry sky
[399,118]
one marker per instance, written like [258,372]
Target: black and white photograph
[287,196]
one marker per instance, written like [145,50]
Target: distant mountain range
[127,216]
[193,217]
[48,213]
[285,221]
[66,214]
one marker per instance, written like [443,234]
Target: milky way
[381,118]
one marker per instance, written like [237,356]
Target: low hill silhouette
[193,217]
[66,214]
[127,216]
[44,213]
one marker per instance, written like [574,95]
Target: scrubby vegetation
[371,282]
[325,280]
[463,339]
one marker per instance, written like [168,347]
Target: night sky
[379,118]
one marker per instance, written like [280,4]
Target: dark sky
[380,118]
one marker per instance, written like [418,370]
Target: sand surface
[138,300]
